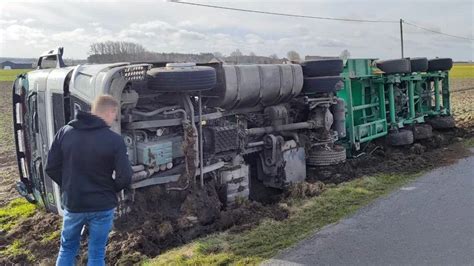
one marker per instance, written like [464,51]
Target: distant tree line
[120,51]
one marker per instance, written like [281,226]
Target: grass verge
[265,240]
[469,143]
[11,74]
[17,249]
[16,210]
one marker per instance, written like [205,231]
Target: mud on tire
[400,138]
[322,157]
[422,131]
[442,122]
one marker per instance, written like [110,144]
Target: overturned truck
[249,128]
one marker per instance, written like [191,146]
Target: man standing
[82,159]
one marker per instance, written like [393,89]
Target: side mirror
[51,55]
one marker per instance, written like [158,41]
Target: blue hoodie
[82,158]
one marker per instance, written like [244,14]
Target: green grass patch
[16,210]
[11,74]
[462,71]
[16,249]
[50,237]
[469,143]
[265,240]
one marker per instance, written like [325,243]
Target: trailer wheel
[400,138]
[442,122]
[394,66]
[323,67]
[422,131]
[440,64]
[419,64]
[321,157]
[322,84]
[181,79]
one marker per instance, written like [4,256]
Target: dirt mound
[37,239]
[163,219]
[377,157]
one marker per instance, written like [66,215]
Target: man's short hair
[103,103]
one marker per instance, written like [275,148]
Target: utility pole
[401,36]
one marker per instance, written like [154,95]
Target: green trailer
[400,98]
[364,96]
[435,94]
[417,91]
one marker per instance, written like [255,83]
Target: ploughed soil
[160,219]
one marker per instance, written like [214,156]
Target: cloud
[28,21]
[169,27]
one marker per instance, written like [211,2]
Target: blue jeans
[99,225]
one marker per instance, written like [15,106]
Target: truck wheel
[422,131]
[442,122]
[181,79]
[419,64]
[322,84]
[394,66]
[321,157]
[400,138]
[440,64]
[323,67]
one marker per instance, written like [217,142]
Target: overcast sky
[28,28]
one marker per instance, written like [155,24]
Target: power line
[438,32]
[282,14]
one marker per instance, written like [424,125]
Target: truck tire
[323,67]
[394,66]
[442,122]
[440,64]
[314,85]
[419,64]
[321,157]
[422,131]
[400,138]
[197,78]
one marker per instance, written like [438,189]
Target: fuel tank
[244,86]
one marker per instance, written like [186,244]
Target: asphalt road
[428,222]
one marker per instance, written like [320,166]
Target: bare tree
[293,56]
[110,51]
[236,53]
[236,56]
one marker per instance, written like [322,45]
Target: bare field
[8,167]
[462,101]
